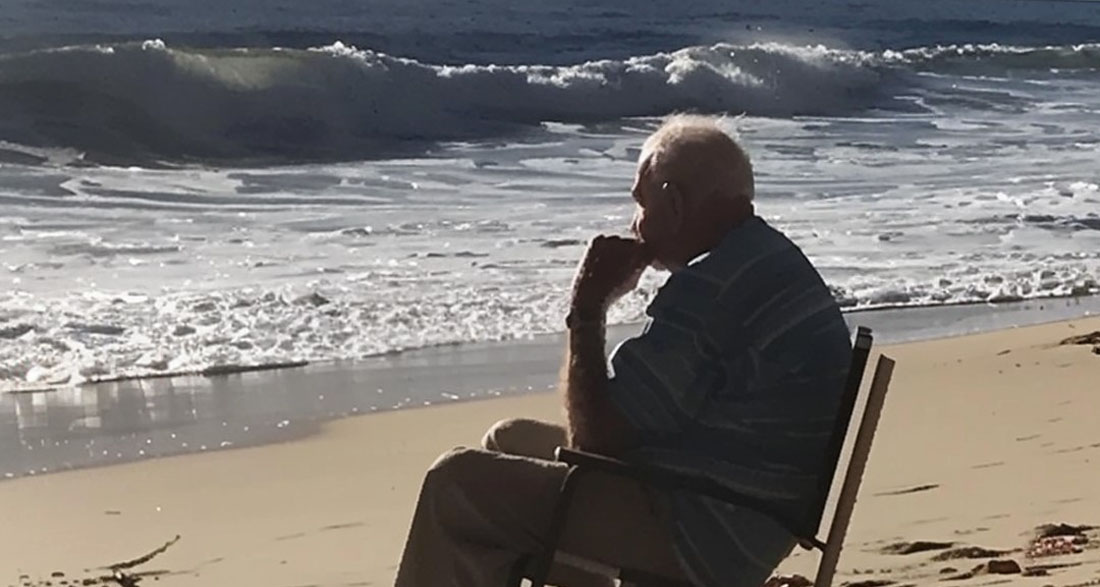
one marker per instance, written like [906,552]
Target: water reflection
[114,422]
[126,420]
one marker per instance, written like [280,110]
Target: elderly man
[737,375]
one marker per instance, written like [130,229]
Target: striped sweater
[738,376]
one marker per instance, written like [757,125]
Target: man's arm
[595,424]
[610,268]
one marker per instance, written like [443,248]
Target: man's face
[655,218]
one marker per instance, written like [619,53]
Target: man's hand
[611,267]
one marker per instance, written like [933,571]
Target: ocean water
[195,184]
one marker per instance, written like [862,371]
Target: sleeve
[655,379]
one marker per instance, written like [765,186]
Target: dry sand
[983,439]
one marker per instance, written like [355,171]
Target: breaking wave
[141,101]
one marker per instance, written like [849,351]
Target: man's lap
[611,520]
[604,496]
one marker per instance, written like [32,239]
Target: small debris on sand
[1003,567]
[1058,539]
[968,552]
[993,567]
[914,547]
[1090,338]
[1048,530]
[121,574]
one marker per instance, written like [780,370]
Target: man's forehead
[645,158]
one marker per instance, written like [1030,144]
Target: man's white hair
[682,121]
[690,135]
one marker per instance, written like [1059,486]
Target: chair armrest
[598,462]
[671,479]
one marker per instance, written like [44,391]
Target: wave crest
[141,101]
[996,59]
[339,102]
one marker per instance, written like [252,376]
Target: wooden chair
[536,568]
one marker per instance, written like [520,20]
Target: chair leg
[541,564]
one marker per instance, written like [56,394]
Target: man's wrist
[585,316]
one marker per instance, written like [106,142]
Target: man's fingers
[618,244]
[616,255]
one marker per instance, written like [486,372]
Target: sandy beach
[984,439]
[262,262]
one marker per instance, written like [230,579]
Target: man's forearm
[595,424]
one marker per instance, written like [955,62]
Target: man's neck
[716,228]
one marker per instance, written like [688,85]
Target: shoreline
[125,420]
[1023,309]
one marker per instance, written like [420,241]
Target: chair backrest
[861,349]
[853,477]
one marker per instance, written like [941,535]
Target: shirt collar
[734,236]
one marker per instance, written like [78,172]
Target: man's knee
[500,436]
[452,464]
[524,437]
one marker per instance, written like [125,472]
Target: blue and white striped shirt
[738,376]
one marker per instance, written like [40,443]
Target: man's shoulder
[750,253]
[752,246]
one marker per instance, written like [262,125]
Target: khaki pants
[480,510]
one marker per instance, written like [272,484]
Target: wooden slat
[849,490]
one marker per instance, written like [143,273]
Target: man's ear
[675,206]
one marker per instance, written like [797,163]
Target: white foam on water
[983,188]
[156,271]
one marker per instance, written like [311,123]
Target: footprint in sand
[909,490]
[988,465]
[343,526]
